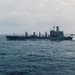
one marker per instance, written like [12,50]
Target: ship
[55,34]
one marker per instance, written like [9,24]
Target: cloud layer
[36,15]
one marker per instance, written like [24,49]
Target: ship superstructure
[56,34]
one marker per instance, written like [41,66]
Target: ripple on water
[42,57]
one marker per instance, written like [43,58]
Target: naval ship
[54,35]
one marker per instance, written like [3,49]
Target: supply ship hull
[34,38]
[54,35]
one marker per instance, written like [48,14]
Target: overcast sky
[18,16]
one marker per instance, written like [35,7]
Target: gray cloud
[36,15]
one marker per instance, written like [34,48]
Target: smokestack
[57,28]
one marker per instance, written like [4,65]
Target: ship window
[53,35]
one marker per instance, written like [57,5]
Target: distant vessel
[54,35]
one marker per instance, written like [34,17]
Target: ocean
[37,57]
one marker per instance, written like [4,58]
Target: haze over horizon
[18,16]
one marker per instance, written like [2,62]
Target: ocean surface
[37,57]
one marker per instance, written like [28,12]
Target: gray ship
[54,35]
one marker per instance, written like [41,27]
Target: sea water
[37,57]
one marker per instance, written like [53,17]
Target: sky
[18,16]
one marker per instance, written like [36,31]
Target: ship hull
[34,38]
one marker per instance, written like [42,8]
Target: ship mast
[53,28]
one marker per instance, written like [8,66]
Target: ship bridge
[56,33]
